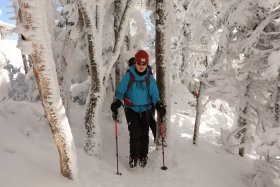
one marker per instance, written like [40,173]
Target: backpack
[132,79]
[127,101]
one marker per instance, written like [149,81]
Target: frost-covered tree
[66,47]
[6,30]
[248,42]
[99,70]
[162,53]
[32,24]
[119,66]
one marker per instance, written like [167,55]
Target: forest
[223,53]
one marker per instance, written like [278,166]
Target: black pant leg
[153,123]
[135,132]
[144,125]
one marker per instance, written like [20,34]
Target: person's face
[142,65]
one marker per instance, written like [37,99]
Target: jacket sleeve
[154,90]
[122,87]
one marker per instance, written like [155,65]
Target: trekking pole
[162,142]
[117,150]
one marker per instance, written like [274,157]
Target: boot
[132,161]
[143,161]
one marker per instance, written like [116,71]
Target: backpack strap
[131,80]
[147,79]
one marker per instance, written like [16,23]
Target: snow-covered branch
[118,42]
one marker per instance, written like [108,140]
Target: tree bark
[117,18]
[241,123]
[198,113]
[93,100]
[277,101]
[242,120]
[63,71]
[48,85]
[25,66]
[162,52]
[98,80]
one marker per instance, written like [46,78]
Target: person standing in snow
[138,90]
[152,122]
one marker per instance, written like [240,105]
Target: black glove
[161,109]
[115,116]
[114,107]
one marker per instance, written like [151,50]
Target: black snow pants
[153,123]
[138,127]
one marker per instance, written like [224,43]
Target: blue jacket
[141,96]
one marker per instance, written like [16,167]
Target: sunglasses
[142,63]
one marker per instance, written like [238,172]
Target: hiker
[152,122]
[138,91]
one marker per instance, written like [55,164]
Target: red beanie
[142,56]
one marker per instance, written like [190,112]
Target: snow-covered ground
[29,158]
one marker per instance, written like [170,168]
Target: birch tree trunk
[63,70]
[93,100]
[199,111]
[117,18]
[277,101]
[162,52]
[99,81]
[242,122]
[242,119]
[33,28]
[25,66]
[219,55]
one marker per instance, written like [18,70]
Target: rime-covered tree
[32,25]
[99,70]
[162,54]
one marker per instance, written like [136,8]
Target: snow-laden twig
[253,39]
[118,43]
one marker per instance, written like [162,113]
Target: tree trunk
[117,18]
[198,113]
[25,66]
[44,70]
[242,120]
[93,100]
[277,101]
[162,52]
[63,71]
[98,81]
[219,55]
[241,123]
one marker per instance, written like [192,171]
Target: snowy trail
[28,152]
[188,165]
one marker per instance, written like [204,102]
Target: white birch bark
[63,70]
[117,18]
[98,80]
[32,25]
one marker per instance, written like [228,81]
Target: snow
[273,61]
[29,155]
[4,83]
[2,23]
[8,47]
[45,62]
